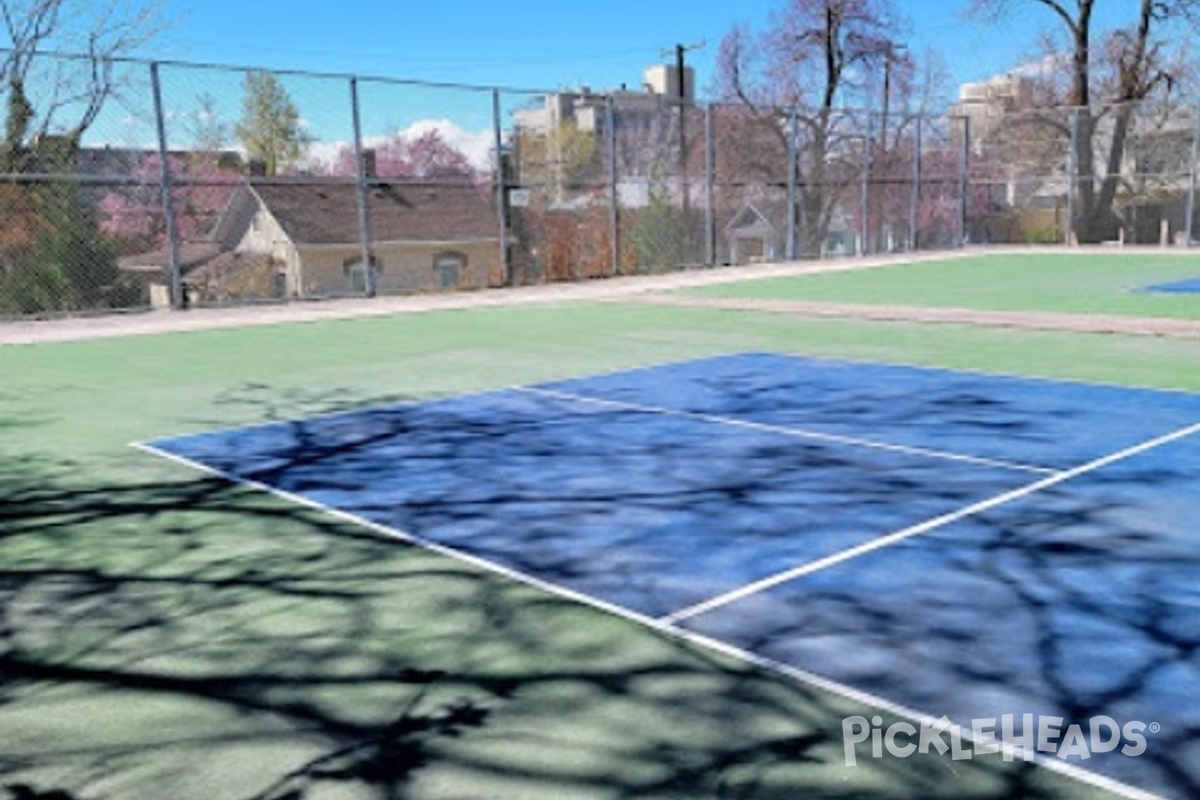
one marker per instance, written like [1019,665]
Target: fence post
[1072,177]
[1190,222]
[178,296]
[793,155]
[864,226]
[964,186]
[914,200]
[614,197]
[362,193]
[501,190]
[710,194]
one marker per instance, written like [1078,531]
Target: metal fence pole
[1072,180]
[914,199]
[864,226]
[178,295]
[501,190]
[362,194]
[964,185]
[793,156]
[614,197]
[710,195]
[1190,221]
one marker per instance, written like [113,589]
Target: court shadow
[629,506]
[22,791]
[1077,603]
[139,594]
[168,633]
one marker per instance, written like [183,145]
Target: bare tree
[817,59]
[1107,75]
[210,134]
[65,95]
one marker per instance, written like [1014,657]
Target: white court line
[1009,751]
[669,629]
[915,530]
[430,400]
[799,433]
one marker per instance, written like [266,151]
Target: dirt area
[1034,320]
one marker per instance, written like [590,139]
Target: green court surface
[1065,282]
[165,634]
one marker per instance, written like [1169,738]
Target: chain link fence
[194,185]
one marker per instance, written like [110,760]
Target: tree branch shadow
[334,657]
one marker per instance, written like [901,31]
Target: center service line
[798,433]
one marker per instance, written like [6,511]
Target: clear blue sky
[533,43]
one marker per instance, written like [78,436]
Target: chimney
[370,163]
[257,168]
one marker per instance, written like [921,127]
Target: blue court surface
[1190,286]
[950,544]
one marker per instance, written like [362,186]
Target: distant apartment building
[986,104]
[584,108]
[560,141]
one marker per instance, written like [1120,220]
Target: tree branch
[101,32]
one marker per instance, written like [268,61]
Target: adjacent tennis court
[664,551]
[1188,286]
[1103,283]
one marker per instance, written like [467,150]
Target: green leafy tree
[658,238]
[71,266]
[16,128]
[270,128]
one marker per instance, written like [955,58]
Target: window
[448,267]
[356,275]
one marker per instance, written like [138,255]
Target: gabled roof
[327,213]
[749,218]
[120,162]
[192,255]
[199,262]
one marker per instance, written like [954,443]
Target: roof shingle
[327,213]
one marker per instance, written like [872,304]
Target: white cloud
[475,145]
[321,155]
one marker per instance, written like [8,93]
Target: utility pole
[680,52]
[889,55]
